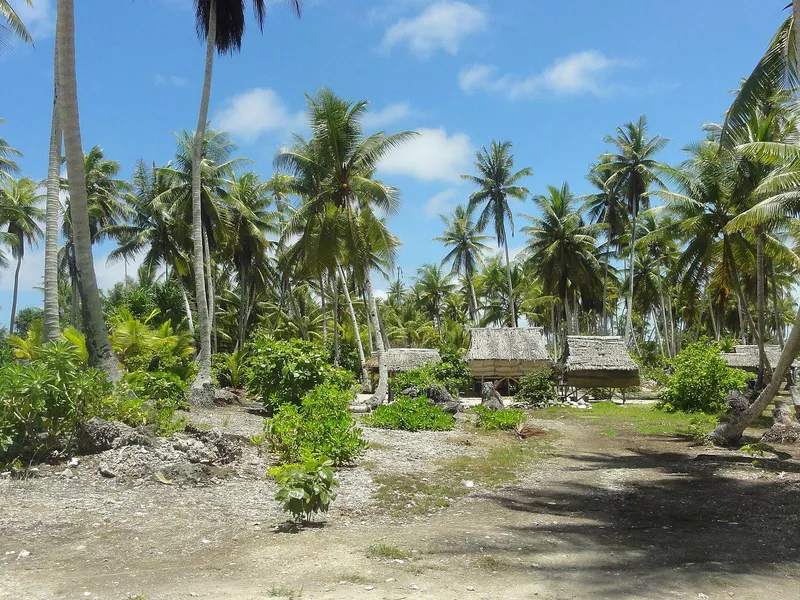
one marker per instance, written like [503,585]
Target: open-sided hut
[598,362]
[402,359]
[746,357]
[506,353]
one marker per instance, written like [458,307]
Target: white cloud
[390,114]
[442,203]
[431,156]
[578,73]
[173,80]
[443,25]
[40,19]
[253,113]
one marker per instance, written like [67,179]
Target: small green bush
[284,372]
[410,414]
[44,400]
[305,489]
[320,427]
[452,373]
[537,388]
[700,380]
[145,398]
[492,420]
[601,394]
[228,370]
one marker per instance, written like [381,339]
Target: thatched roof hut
[746,357]
[506,353]
[405,359]
[598,362]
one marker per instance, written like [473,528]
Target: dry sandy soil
[589,516]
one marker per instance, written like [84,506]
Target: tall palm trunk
[201,393]
[211,299]
[16,285]
[324,309]
[605,299]
[776,307]
[244,304]
[187,307]
[336,323]
[629,334]
[369,323]
[383,368]
[472,298]
[510,289]
[101,354]
[352,310]
[53,207]
[760,300]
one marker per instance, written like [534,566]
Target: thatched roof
[405,359]
[507,344]
[598,361]
[746,357]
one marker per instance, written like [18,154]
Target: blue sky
[552,77]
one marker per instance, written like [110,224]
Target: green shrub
[43,401]
[601,394]
[410,414]
[700,380]
[320,427]
[452,373]
[305,488]
[145,398]
[492,420]
[537,388]
[283,372]
[228,370]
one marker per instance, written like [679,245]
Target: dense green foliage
[410,414]
[492,420]
[537,388]
[305,489]
[284,372]
[700,380]
[320,427]
[451,372]
[229,369]
[147,398]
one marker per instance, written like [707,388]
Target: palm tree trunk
[244,301]
[567,316]
[16,288]
[369,324]
[629,334]
[336,322]
[101,354]
[510,288]
[553,329]
[53,207]
[383,367]
[211,299]
[324,311]
[668,349]
[201,392]
[186,305]
[776,308]
[73,317]
[605,299]
[352,310]
[731,432]
[472,298]
[760,300]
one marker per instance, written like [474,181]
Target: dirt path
[599,517]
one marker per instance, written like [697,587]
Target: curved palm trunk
[53,206]
[101,354]
[383,367]
[16,290]
[731,432]
[202,392]
[352,310]
[510,289]
[187,307]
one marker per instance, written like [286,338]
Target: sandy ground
[597,517]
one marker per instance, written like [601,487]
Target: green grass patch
[386,551]
[281,591]
[378,446]
[641,418]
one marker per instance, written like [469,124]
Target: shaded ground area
[600,510]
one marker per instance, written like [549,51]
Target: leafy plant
[700,380]
[145,398]
[307,488]
[284,372]
[537,388]
[228,370]
[492,420]
[320,426]
[757,449]
[410,414]
[451,372]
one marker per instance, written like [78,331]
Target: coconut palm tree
[433,287]
[339,161]
[13,24]
[467,245]
[98,345]
[8,165]
[51,328]
[221,24]
[498,182]
[631,172]
[20,213]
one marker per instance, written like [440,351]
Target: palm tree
[433,287]
[20,212]
[631,172]
[467,245]
[221,23]
[498,182]
[8,166]
[13,24]
[51,329]
[339,163]
[561,249]
[101,354]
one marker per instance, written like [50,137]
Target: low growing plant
[410,414]
[228,370]
[537,388]
[492,420]
[145,398]
[305,489]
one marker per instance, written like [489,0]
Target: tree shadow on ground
[674,519]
